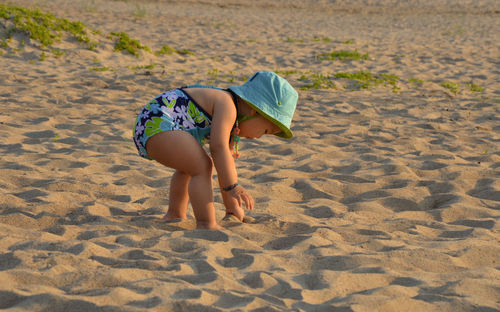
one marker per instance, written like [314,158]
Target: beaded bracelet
[236,140]
[230,187]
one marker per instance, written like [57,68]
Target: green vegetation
[343,55]
[213,73]
[367,79]
[452,86]
[42,27]
[322,39]
[151,66]
[285,73]
[184,52]
[288,39]
[317,81]
[100,69]
[416,82]
[167,50]
[474,87]
[128,44]
[362,79]
[216,74]
[57,52]
[4,43]
[398,57]
[43,30]
[350,41]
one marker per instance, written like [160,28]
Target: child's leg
[181,151]
[179,197]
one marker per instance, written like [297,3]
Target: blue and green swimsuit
[172,110]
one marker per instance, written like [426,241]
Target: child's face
[256,127]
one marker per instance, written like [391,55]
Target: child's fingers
[241,195]
[249,202]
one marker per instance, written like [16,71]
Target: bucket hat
[272,97]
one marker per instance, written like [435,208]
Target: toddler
[172,128]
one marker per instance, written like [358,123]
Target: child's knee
[205,166]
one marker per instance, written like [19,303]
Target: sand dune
[386,199]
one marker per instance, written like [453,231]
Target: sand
[386,199]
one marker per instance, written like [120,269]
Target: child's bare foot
[207,226]
[172,218]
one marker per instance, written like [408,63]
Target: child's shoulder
[209,97]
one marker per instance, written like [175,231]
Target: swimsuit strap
[200,86]
[235,101]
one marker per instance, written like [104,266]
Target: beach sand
[386,199]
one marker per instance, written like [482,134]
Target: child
[172,128]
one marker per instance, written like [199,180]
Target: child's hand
[241,195]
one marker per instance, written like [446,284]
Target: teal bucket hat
[272,97]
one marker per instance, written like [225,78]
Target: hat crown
[271,96]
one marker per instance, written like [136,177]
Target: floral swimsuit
[172,110]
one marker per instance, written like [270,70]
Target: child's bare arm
[223,118]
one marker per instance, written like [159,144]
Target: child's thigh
[181,151]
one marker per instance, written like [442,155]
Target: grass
[416,82]
[213,73]
[125,43]
[454,87]
[367,79]
[4,43]
[322,39]
[286,73]
[363,80]
[474,87]
[139,67]
[317,81]
[350,41]
[288,39]
[57,52]
[44,28]
[343,55]
[184,52]
[216,75]
[167,50]
[100,69]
